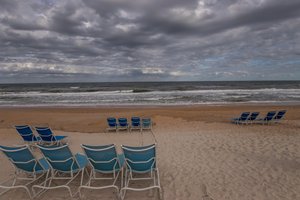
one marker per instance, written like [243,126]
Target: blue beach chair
[112,124]
[27,134]
[123,124]
[135,124]
[142,161]
[64,166]
[267,119]
[279,116]
[27,167]
[104,160]
[253,116]
[242,119]
[48,136]
[146,124]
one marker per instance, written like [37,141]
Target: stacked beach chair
[252,118]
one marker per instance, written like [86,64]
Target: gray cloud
[89,40]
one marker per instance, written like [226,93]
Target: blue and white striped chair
[123,124]
[27,134]
[104,160]
[252,117]
[64,166]
[279,116]
[242,119]
[267,119]
[135,124]
[140,160]
[47,136]
[112,124]
[27,167]
[146,124]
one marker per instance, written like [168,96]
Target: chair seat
[121,158]
[60,137]
[82,160]
[35,139]
[44,164]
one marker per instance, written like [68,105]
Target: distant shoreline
[230,104]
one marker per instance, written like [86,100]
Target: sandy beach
[198,149]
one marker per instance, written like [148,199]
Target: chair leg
[122,177]
[126,183]
[160,192]
[122,193]
[16,187]
[81,179]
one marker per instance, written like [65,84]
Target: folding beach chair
[64,166]
[146,124]
[112,124]
[267,119]
[27,168]
[142,161]
[104,161]
[135,124]
[242,119]
[27,134]
[48,136]
[279,116]
[123,124]
[252,117]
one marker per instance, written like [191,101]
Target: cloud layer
[129,40]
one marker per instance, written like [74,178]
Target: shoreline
[155,105]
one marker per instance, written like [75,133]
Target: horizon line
[146,81]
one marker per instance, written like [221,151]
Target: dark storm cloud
[129,40]
[169,24]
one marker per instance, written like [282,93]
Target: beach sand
[198,150]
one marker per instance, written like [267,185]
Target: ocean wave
[92,91]
[135,94]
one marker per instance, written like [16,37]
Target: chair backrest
[270,116]
[26,133]
[135,121]
[22,158]
[244,116]
[280,114]
[140,159]
[123,121]
[146,122]
[46,134]
[102,158]
[59,157]
[253,116]
[112,122]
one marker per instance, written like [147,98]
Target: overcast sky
[149,40]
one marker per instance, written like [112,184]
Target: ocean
[149,93]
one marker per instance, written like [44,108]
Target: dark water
[149,93]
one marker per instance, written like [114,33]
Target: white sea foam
[75,95]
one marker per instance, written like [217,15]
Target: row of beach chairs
[251,118]
[121,123]
[59,163]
